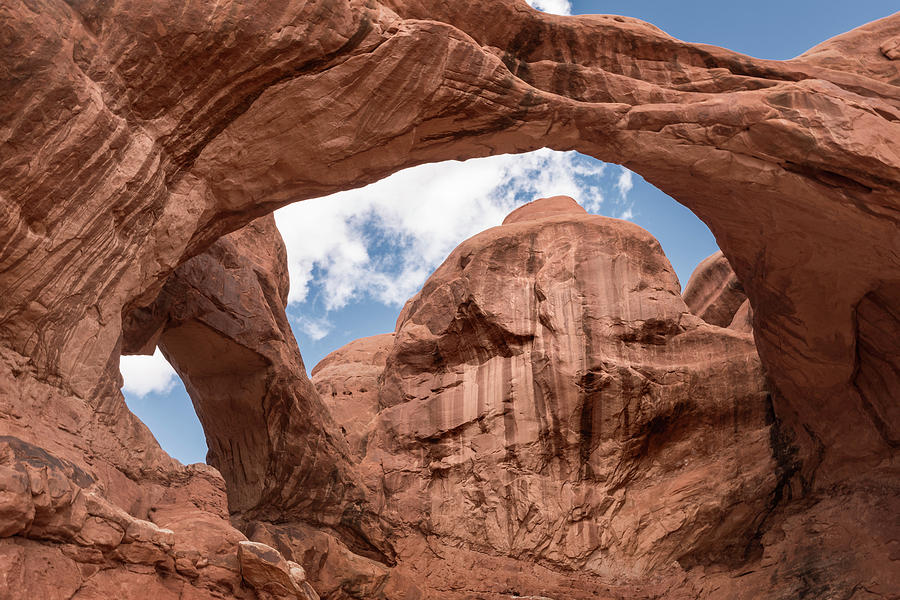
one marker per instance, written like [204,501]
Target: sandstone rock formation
[69,541]
[347,381]
[549,398]
[264,568]
[136,134]
[220,321]
[713,292]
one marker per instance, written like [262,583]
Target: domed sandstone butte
[137,134]
[347,381]
[549,398]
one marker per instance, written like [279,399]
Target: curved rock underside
[713,292]
[220,321]
[136,134]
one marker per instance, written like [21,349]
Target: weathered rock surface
[132,140]
[153,143]
[335,571]
[713,292]
[271,575]
[549,398]
[69,541]
[220,321]
[347,381]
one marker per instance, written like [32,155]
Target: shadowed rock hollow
[135,135]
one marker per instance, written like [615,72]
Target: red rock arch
[122,159]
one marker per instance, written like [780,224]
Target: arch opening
[156,395]
[744,128]
[356,257]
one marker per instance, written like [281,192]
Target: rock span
[136,134]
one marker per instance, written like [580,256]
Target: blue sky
[355,257]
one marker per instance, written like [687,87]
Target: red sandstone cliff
[347,381]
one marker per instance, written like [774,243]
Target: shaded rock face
[220,321]
[121,161]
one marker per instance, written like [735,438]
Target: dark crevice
[35,456]
[787,466]
[830,178]
[876,373]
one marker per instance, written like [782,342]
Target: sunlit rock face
[347,381]
[549,397]
[713,292]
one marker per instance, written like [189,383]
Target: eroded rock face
[347,381]
[267,571]
[121,161]
[69,541]
[713,292]
[550,398]
[220,321]
[555,421]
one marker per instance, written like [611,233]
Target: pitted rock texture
[585,422]
[220,321]
[230,111]
[347,381]
[266,570]
[68,541]
[121,160]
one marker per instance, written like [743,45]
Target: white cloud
[144,375]
[315,328]
[558,7]
[624,183]
[383,240]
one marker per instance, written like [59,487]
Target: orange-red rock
[549,398]
[347,381]
[120,160]
[713,292]
[220,321]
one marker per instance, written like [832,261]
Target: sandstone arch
[133,140]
